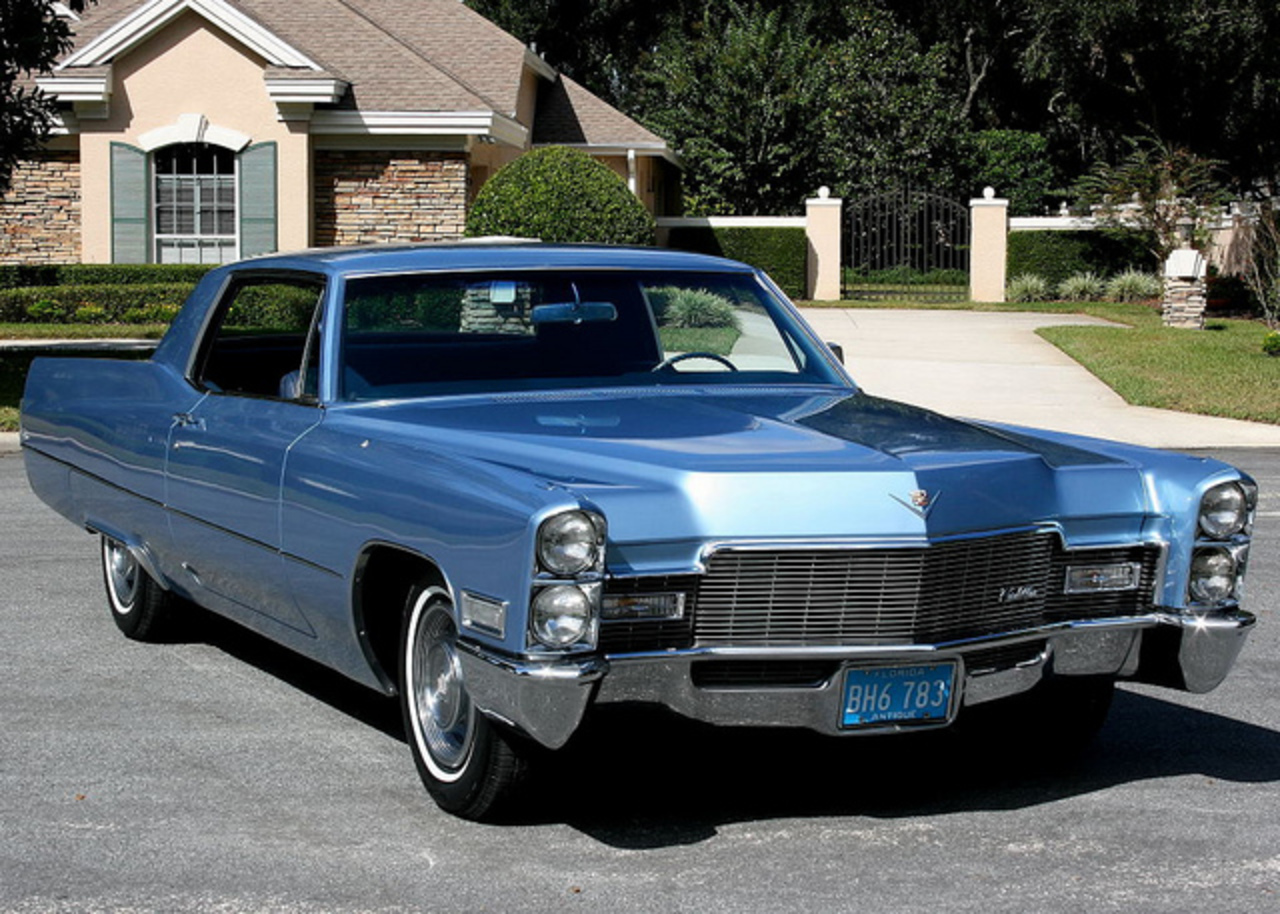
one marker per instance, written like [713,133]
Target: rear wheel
[141,608]
[468,765]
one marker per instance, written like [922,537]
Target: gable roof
[381,61]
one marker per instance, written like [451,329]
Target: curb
[9,443]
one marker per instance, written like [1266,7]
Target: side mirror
[837,350]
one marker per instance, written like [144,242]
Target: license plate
[919,693]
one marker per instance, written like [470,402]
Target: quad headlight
[1214,575]
[564,613]
[1226,510]
[571,543]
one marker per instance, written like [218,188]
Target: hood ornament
[921,502]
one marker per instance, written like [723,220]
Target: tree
[1259,240]
[32,38]
[1167,191]
[764,105]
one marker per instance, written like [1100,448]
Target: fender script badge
[921,503]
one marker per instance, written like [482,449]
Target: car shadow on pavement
[678,783]
[645,778]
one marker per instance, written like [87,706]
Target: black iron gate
[906,243]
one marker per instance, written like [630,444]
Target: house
[203,131]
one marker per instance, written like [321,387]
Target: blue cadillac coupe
[508,482]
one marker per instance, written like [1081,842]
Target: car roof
[487,254]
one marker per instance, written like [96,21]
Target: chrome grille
[951,590]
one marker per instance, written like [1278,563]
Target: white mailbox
[1185,263]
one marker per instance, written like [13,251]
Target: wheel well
[384,577]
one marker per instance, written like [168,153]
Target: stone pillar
[822,229]
[1184,289]
[988,246]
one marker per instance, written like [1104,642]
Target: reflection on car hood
[795,464]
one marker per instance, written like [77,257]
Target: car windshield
[422,334]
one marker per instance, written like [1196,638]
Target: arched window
[195,204]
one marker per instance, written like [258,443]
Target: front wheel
[468,766]
[141,608]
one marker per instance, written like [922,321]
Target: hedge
[780,252]
[560,194]
[93,304]
[1054,256]
[19,276]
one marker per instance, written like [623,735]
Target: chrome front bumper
[547,699]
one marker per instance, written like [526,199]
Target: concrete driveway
[993,366]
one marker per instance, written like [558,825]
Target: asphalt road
[221,774]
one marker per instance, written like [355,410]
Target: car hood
[771,465]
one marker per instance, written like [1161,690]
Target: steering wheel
[680,357]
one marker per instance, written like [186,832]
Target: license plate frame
[897,695]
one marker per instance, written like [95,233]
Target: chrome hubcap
[442,710]
[122,571]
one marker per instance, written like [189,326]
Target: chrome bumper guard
[547,699]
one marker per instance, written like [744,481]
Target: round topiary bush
[559,194]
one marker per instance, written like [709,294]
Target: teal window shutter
[130,241]
[258,200]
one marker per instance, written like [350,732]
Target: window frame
[313,341]
[228,244]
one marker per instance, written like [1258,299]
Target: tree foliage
[560,194]
[31,40]
[952,92]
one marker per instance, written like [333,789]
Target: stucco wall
[371,196]
[40,215]
[191,67]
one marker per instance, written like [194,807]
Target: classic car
[510,483]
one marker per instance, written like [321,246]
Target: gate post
[822,230]
[988,246]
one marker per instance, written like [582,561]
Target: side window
[265,339]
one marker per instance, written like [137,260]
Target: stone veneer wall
[371,196]
[1184,302]
[40,215]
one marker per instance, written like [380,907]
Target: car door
[226,455]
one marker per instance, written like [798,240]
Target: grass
[82,331]
[1220,371]
[719,340]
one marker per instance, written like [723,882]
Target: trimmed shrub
[675,306]
[1135,285]
[1082,287]
[1028,287]
[20,276]
[1271,343]
[780,252]
[560,194]
[1055,256]
[60,304]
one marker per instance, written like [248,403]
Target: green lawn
[1220,371]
